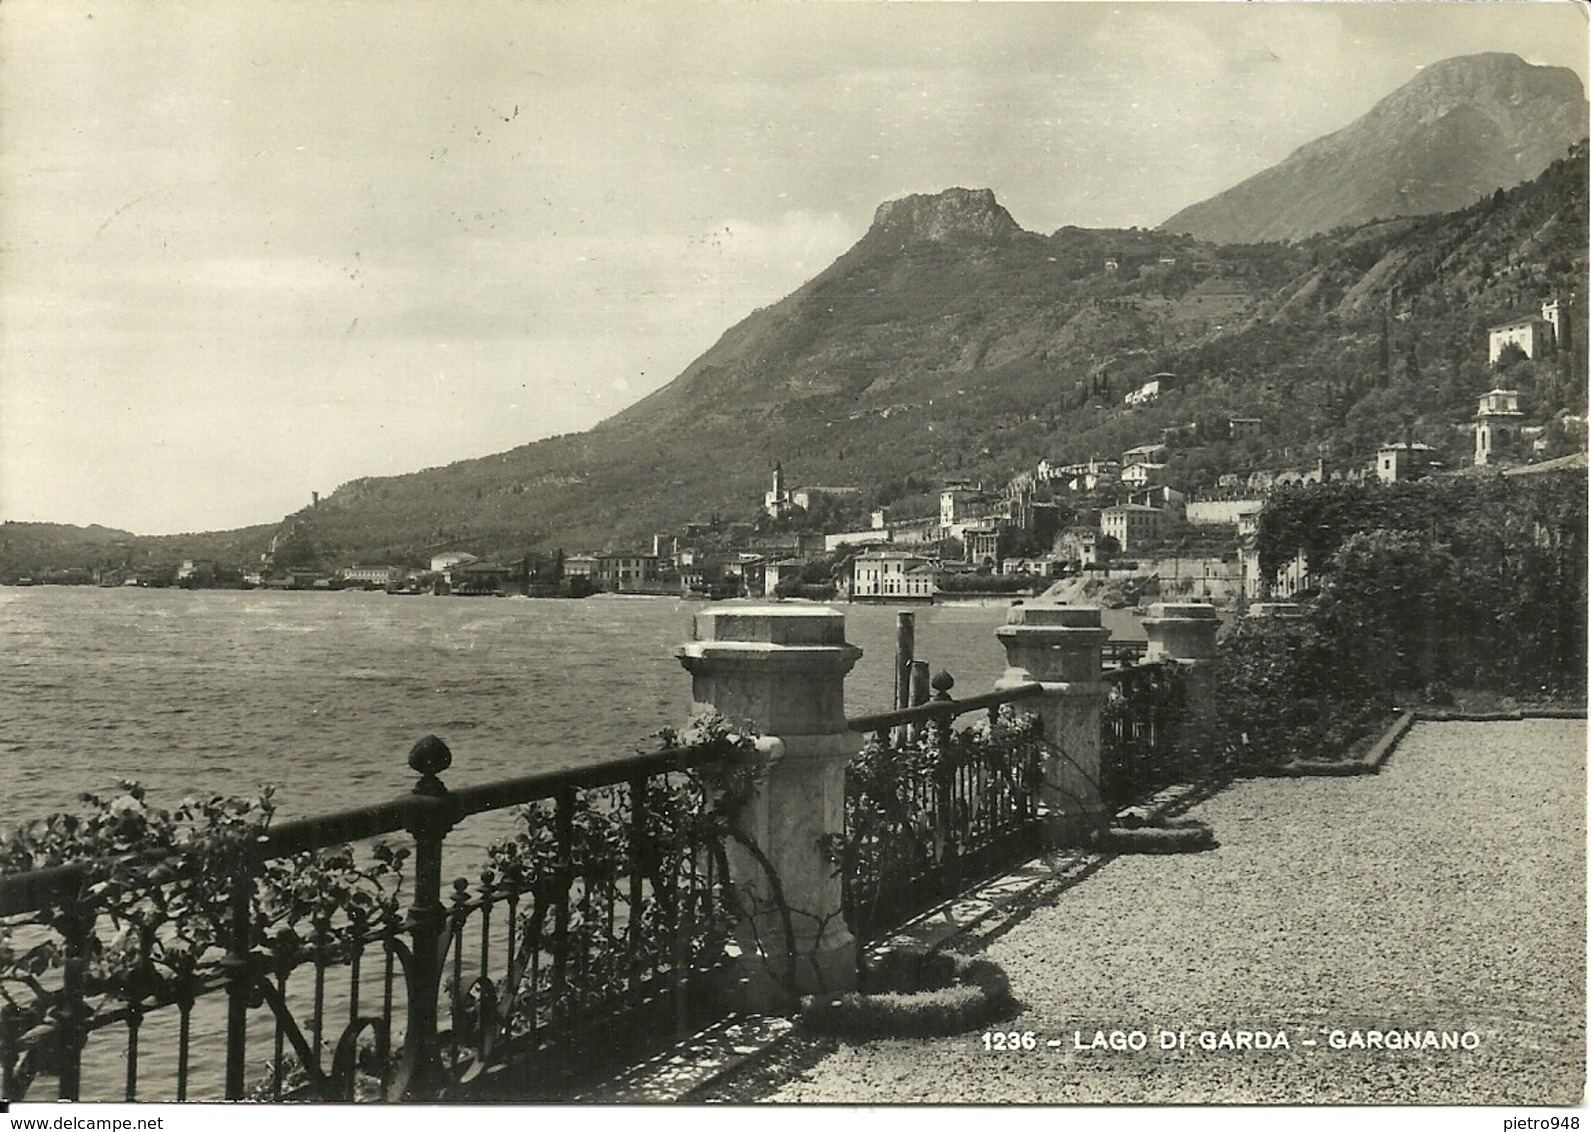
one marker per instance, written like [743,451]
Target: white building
[1531,334]
[958,503]
[1150,390]
[1144,394]
[373,575]
[441,563]
[1143,474]
[884,574]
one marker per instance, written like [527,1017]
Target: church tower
[1497,422]
[777,502]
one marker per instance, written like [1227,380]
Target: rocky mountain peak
[1459,130]
[1502,86]
[944,215]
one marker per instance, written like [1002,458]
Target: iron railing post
[429,823]
[78,923]
[946,835]
[238,965]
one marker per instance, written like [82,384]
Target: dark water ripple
[322,695]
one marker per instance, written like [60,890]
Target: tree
[297,552]
[1380,603]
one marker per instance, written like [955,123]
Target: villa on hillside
[1150,390]
[1531,334]
[1143,474]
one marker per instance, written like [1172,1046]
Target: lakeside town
[1120,524]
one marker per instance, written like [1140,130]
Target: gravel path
[1445,894]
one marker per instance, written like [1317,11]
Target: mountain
[949,341]
[1460,130]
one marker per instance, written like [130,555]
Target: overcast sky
[250,251]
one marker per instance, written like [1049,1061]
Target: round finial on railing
[429,758]
[942,683]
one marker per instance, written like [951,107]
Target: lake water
[322,694]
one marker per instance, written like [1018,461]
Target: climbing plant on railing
[625,889]
[914,808]
[146,920]
[609,898]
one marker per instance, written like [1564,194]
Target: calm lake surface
[322,694]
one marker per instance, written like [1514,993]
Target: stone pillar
[1185,632]
[782,669]
[1058,646]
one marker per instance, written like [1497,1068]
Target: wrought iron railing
[298,967]
[930,806]
[1145,741]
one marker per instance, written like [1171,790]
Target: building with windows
[1143,474]
[373,575]
[887,575]
[623,571]
[1531,334]
[1132,525]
